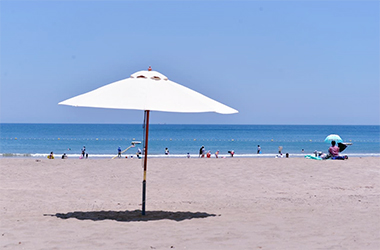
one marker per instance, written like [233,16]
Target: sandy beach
[232,203]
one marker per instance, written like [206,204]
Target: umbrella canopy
[148,91]
[333,137]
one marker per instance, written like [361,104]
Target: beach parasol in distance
[333,137]
[148,90]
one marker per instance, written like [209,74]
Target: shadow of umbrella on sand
[149,91]
[135,215]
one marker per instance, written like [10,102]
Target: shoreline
[179,156]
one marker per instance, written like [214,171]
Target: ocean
[103,140]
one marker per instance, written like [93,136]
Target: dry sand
[232,203]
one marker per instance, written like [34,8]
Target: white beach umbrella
[149,91]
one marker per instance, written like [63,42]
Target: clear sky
[277,62]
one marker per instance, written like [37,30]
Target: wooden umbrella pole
[145,159]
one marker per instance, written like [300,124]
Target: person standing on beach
[258,149]
[119,152]
[138,153]
[166,151]
[83,151]
[202,151]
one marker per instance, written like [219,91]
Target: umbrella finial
[150,68]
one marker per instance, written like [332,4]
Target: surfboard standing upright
[149,91]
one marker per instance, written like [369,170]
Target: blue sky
[277,62]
